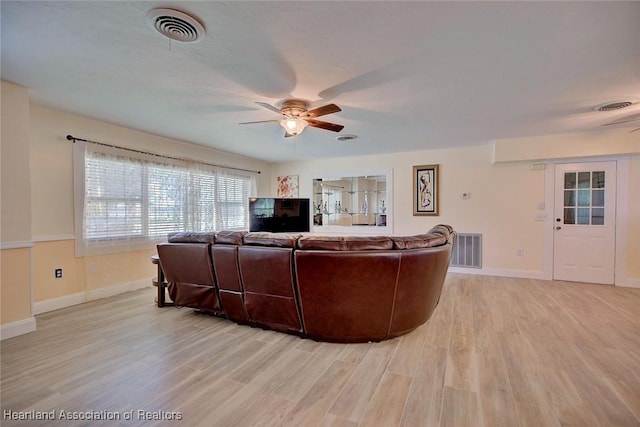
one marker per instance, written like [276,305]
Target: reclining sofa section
[327,288]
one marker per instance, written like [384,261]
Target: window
[128,200]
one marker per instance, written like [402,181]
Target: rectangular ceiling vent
[467,250]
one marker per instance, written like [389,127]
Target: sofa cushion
[443,229]
[345,243]
[228,237]
[265,238]
[420,241]
[191,237]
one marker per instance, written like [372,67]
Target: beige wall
[616,142]
[633,217]
[48,256]
[495,208]
[16,178]
[506,196]
[16,285]
[105,270]
[15,205]
[52,201]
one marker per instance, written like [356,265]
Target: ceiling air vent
[176,25]
[343,138]
[614,105]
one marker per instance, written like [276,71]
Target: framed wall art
[425,190]
[287,186]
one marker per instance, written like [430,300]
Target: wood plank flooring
[497,352]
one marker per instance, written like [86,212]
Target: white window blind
[128,200]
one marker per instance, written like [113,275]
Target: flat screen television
[279,215]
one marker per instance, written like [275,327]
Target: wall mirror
[360,203]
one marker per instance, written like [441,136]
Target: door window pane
[597,179]
[584,179]
[569,215]
[569,197]
[584,198]
[583,216]
[570,180]
[597,197]
[597,216]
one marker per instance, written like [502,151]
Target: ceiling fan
[297,116]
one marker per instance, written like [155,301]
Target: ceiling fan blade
[325,125]
[269,107]
[259,121]
[631,118]
[321,111]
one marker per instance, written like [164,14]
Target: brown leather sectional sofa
[328,288]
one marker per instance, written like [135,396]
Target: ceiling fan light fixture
[293,126]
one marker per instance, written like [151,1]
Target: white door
[584,222]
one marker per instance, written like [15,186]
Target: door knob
[558,228]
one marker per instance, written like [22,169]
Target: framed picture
[425,190]
[287,186]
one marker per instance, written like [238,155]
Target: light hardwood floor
[497,352]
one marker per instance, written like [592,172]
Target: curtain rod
[74,139]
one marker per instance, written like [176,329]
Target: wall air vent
[176,25]
[467,251]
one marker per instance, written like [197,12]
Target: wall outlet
[520,252]
[58,273]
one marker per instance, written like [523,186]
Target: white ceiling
[408,75]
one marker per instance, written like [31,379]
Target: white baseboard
[110,291]
[58,303]
[94,294]
[54,238]
[528,274]
[629,283]
[19,327]
[520,274]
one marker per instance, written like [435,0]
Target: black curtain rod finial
[74,139]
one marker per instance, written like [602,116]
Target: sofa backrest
[420,278]
[224,254]
[191,237]
[189,273]
[229,237]
[439,235]
[275,240]
[346,296]
[345,243]
[266,269]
